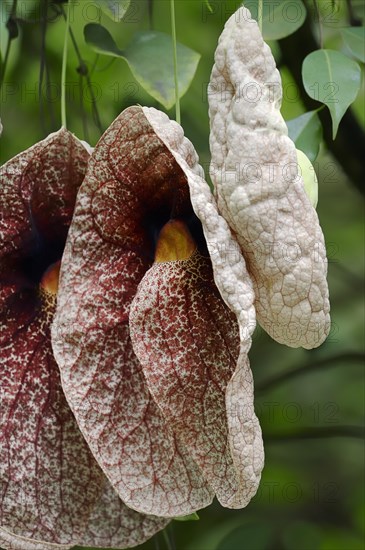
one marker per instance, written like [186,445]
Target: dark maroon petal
[132,186]
[49,481]
[38,194]
[52,492]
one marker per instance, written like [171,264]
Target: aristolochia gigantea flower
[169,414]
[156,307]
[155,310]
[53,493]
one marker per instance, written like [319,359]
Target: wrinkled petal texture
[50,485]
[132,181]
[112,524]
[235,287]
[187,340]
[259,192]
[229,267]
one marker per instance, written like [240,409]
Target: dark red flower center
[36,262]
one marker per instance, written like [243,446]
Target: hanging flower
[53,493]
[156,307]
[155,311]
[169,414]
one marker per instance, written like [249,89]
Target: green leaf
[306,132]
[115,9]
[190,517]
[280,18]
[354,38]
[333,79]
[309,176]
[150,58]
[100,40]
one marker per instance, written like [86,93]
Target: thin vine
[85,73]
[318,13]
[260,14]
[12,34]
[64,65]
[319,432]
[326,362]
[173,30]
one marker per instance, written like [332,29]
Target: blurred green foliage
[312,491]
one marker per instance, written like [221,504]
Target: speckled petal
[187,340]
[41,197]
[229,267]
[53,493]
[112,524]
[40,441]
[255,173]
[132,181]
[49,480]
[235,287]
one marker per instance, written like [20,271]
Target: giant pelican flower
[156,306]
[53,493]
[155,312]
[169,414]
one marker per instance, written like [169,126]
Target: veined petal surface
[235,288]
[187,340]
[53,493]
[132,183]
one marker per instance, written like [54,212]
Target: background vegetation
[310,403]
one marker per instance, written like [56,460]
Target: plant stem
[173,30]
[150,14]
[64,66]
[318,13]
[353,20]
[259,14]
[12,15]
[85,73]
[167,539]
[44,72]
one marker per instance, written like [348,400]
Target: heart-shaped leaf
[115,9]
[354,38]
[333,79]
[306,132]
[150,58]
[280,18]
